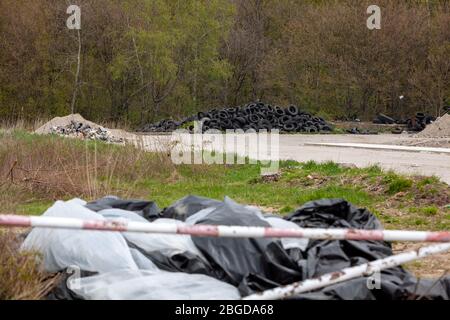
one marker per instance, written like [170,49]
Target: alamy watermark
[374,20]
[374,281]
[230,147]
[73,22]
[73,282]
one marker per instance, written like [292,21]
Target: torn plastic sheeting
[148,285]
[90,250]
[149,242]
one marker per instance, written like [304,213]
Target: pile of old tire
[257,116]
[415,124]
[419,122]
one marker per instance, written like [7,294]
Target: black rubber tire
[279,112]
[253,118]
[420,115]
[230,110]
[226,124]
[285,119]
[289,127]
[241,120]
[265,124]
[292,110]
[223,115]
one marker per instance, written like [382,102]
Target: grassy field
[37,170]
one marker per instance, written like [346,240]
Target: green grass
[430,211]
[400,202]
[397,183]
[428,181]
[276,194]
[33,208]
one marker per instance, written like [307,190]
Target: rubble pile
[257,116]
[86,131]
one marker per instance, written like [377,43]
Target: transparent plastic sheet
[288,243]
[148,285]
[94,251]
[167,244]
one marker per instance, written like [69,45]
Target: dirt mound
[64,121]
[439,128]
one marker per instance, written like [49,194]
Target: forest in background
[143,60]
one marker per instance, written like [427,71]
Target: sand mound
[439,128]
[64,121]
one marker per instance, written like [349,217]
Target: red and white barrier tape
[223,231]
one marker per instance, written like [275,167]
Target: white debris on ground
[76,126]
[85,131]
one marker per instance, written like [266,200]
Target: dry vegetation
[20,276]
[54,168]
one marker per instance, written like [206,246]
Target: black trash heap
[131,265]
[256,116]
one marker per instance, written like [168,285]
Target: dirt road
[298,147]
[424,163]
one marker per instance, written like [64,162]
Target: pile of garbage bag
[113,265]
[256,116]
[86,131]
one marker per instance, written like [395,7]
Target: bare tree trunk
[77,75]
